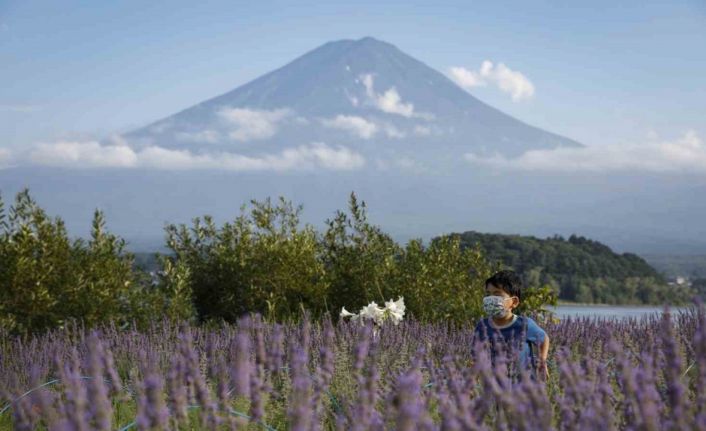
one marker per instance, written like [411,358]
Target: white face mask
[494,306]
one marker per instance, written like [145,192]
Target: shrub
[360,260]
[46,280]
[261,262]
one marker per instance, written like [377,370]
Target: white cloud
[684,155]
[253,124]
[82,154]
[509,81]
[356,125]
[340,158]
[390,101]
[208,136]
[368,84]
[92,155]
[362,127]
[304,157]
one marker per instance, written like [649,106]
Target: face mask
[494,306]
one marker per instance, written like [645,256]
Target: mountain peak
[366,40]
[371,41]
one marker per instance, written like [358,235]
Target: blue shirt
[511,335]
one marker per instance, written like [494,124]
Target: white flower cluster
[393,310]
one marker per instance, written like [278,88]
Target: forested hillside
[578,268]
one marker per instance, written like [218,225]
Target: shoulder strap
[531,344]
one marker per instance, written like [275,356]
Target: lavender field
[647,374]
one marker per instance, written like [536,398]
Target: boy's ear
[515,301]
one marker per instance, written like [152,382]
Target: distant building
[679,281]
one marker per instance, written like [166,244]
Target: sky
[598,72]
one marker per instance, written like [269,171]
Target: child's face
[510,303]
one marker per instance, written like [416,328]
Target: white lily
[346,313]
[372,311]
[395,310]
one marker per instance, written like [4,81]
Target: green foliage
[360,260]
[261,262]
[443,282]
[579,269]
[264,261]
[535,300]
[47,280]
[173,294]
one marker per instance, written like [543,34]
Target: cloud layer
[509,81]
[684,155]
[93,154]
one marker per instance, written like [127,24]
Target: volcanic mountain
[354,115]
[364,95]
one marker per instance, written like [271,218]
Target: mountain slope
[365,94]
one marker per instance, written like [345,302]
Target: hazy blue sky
[602,73]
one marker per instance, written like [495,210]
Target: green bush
[261,262]
[442,282]
[47,280]
[360,260]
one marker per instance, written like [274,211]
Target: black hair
[508,281]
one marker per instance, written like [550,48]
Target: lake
[608,311]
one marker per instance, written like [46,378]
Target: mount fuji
[365,96]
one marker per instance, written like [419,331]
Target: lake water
[608,311]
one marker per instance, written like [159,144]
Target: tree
[47,280]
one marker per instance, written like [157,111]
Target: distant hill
[580,269]
[692,266]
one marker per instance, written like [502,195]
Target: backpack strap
[531,344]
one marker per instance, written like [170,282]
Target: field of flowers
[647,374]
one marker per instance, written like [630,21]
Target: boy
[504,292]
